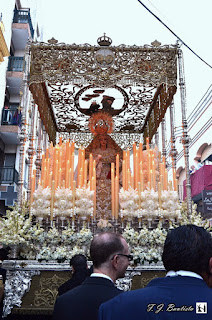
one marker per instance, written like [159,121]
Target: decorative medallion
[89,100]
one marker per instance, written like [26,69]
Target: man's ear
[210,266]
[209,278]
[115,262]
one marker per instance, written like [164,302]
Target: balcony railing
[22,16]
[11,115]
[8,175]
[16,64]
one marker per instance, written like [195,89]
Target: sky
[128,22]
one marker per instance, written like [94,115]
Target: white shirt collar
[184,273]
[101,275]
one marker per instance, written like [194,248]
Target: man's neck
[104,272]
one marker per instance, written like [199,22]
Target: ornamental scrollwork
[60,73]
[17,284]
[125,283]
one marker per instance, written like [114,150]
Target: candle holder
[149,220]
[93,225]
[62,219]
[116,225]
[40,221]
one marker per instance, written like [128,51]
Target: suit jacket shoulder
[83,301]
[169,294]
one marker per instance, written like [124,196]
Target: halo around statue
[101,123]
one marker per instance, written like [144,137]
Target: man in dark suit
[185,293]
[80,273]
[110,255]
[3,256]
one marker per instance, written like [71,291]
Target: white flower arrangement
[145,245]
[104,224]
[76,250]
[41,202]
[63,204]
[128,200]
[36,243]
[53,236]
[131,236]
[84,202]
[68,236]
[84,237]
[149,204]
[14,228]
[170,207]
[194,218]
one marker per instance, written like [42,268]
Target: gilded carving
[47,293]
[67,69]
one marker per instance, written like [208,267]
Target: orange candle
[116,197]
[79,164]
[50,179]
[165,180]
[90,166]
[56,173]
[83,165]
[142,180]
[112,191]
[93,183]
[175,184]
[128,159]
[132,181]
[149,166]
[80,180]
[85,173]
[60,178]
[52,199]
[74,193]
[70,180]
[136,175]
[154,175]
[117,166]
[151,179]
[134,158]
[124,174]
[162,181]
[72,170]
[159,194]
[140,152]
[47,174]
[67,174]
[139,195]
[44,178]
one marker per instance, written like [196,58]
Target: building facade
[19,117]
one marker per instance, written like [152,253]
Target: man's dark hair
[3,254]
[79,261]
[187,247]
[103,246]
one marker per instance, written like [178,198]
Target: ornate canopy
[133,84]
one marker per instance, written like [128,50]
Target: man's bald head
[104,245]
